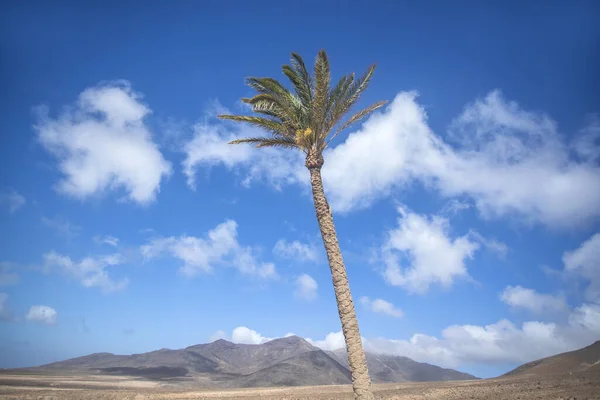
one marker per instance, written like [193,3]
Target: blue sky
[467,209]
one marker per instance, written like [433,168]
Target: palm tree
[307,119]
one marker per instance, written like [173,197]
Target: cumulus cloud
[89,271]
[101,143]
[332,341]
[496,155]
[5,311]
[585,262]
[245,335]
[219,247]
[7,276]
[381,306]
[420,253]
[296,250]
[12,200]
[42,314]
[529,299]
[306,287]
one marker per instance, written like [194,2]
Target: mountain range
[290,361]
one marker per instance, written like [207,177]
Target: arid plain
[580,386]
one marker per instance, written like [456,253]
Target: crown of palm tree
[309,117]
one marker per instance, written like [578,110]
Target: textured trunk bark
[361,382]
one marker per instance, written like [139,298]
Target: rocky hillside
[290,361]
[586,359]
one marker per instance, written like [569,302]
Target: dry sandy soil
[71,387]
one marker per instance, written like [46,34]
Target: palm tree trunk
[361,382]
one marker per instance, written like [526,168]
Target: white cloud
[503,152]
[585,262]
[90,271]
[518,296]
[498,155]
[381,306]
[306,287]
[5,311]
[220,247]
[7,277]
[296,250]
[102,143]
[209,148]
[62,226]
[429,254]
[245,335]
[13,200]
[42,314]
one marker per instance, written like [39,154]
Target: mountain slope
[290,361]
[386,368]
[585,359]
[247,358]
[158,364]
[310,368]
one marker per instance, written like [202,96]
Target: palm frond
[300,78]
[295,110]
[274,127]
[360,85]
[259,142]
[300,67]
[305,115]
[349,98]
[322,81]
[335,102]
[357,117]
[267,104]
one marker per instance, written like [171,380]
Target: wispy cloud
[62,227]
[90,271]
[306,287]
[108,240]
[12,200]
[7,276]
[529,299]
[6,313]
[296,250]
[585,263]
[381,306]
[219,247]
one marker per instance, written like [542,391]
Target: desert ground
[60,386]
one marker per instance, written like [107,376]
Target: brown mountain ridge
[586,359]
[290,361]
